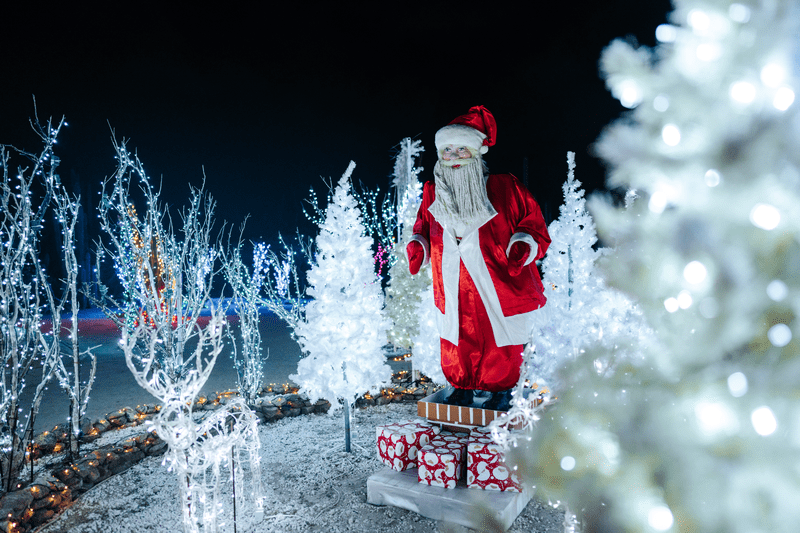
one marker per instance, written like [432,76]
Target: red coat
[509,300]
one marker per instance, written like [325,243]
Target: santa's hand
[517,256]
[416,255]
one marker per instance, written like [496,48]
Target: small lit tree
[344,328]
[70,377]
[405,292]
[378,216]
[246,284]
[282,290]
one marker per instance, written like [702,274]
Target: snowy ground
[310,483]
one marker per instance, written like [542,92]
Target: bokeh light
[764,421]
[660,518]
[765,216]
[737,384]
[779,335]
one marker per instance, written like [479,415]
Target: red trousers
[477,362]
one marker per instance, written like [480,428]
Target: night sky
[266,101]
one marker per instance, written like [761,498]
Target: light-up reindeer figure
[200,446]
[168,276]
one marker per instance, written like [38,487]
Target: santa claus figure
[482,233]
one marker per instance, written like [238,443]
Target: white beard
[461,193]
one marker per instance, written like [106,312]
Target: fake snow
[310,484]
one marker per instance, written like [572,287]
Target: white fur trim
[460,135]
[451,263]
[507,330]
[425,247]
[524,237]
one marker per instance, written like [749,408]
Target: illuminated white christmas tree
[581,310]
[703,436]
[344,327]
[567,322]
[404,293]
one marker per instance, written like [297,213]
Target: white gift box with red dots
[441,462]
[486,467]
[399,443]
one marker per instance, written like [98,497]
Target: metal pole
[347,426]
[233,474]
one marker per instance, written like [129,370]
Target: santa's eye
[448,149]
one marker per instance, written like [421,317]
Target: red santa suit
[485,312]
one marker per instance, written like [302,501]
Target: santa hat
[477,129]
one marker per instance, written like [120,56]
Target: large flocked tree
[344,327]
[704,435]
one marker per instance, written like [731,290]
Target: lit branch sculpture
[167,284]
[166,280]
[67,209]
[24,200]
[282,290]
[246,285]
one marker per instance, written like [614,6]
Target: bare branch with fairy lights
[29,347]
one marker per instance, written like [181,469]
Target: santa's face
[453,155]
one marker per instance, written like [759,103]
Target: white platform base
[457,506]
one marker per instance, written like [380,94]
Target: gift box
[399,443]
[441,462]
[486,467]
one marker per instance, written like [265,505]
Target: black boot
[461,397]
[500,401]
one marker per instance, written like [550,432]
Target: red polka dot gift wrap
[441,462]
[400,442]
[486,467]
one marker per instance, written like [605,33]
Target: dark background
[267,99]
